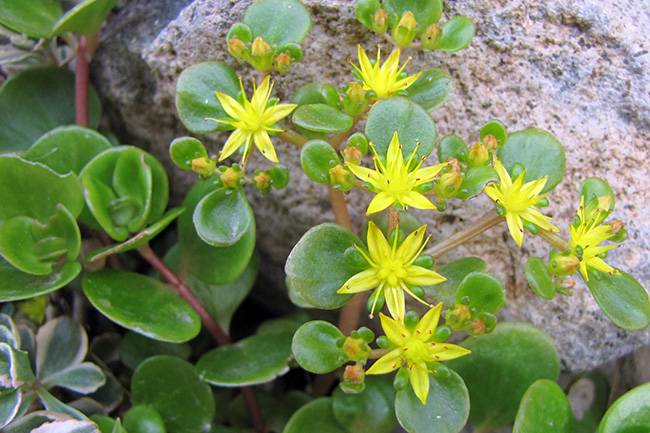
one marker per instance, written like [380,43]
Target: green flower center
[392,271]
[415,351]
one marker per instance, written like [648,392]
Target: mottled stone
[578,69]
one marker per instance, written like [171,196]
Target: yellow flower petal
[377,244]
[386,363]
[395,331]
[360,282]
[395,302]
[419,378]
[428,323]
[445,352]
[234,142]
[381,201]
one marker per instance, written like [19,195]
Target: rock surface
[578,69]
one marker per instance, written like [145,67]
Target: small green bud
[262,181]
[232,177]
[341,178]
[564,286]
[204,166]
[356,348]
[478,155]
[448,184]
[379,304]
[401,379]
[440,371]
[261,57]
[430,37]
[380,21]
[404,32]
[425,261]
[282,63]
[442,333]
[418,291]
[411,320]
[355,101]
[238,49]
[490,142]
[384,343]
[354,374]
[352,154]
[563,265]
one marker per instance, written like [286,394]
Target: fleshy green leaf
[475,180]
[136,348]
[240,364]
[213,265]
[630,413]
[364,10]
[33,18]
[143,418]
[196,99]
[185,149]
[455,272]
[316,269]
[432,89]
[142,304]
[595,187]
[223,217]
[315,349]
[61,343]
[321,118]
[51,403]
[15,368]
[9,404]
[497,129]
[189,408]
[544,409]
[51,422]
[317,157]
[446,410]
[457,33]
[452,146]
[372,410]
[412,123]
[501,367]
[83,378]
[36,101]
[539,278]
[85,18]
[316,416]
[621,298]
[16,285]
[482,292]
[279,21]
[426,12]
[539,152]
[132,178]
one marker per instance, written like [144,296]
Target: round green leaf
[17,247]
[16,285]
[544,409]
[41,190]
[372,410]
[452,146]
[455,272]
[33,18]
[36,101]
[501,367]
[457,33]
[85,18]
[9,404]
[317,157]
[222,217]
[185,149]
[481,292]
[310,93]
[432,89]
[213,265]
[412,123]
[316,416]
[61,343]
[475,180]
[136,348]
[537,150]
[240,364]
[173,389]
[497,129]
[143,418]
[67,148]
[196,99]
[539,278]
[621,298]
[316,269]
[142,304]
[321,118]
[314,346]
[630,413]
[279,21]
[446,410]
[426,12]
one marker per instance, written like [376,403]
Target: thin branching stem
[81,85]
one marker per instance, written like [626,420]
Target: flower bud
[448,184]
[355,101]
[204,166]
[354,374]
[430,37]
[232,177]
[356,348]
[457,317]
[476,327]
[261,57]
[404,32]
[615,226]
[478,155]
[454,165]
[490,142]
[563,266]
[262,181]
[238,49]
[352,154]
[340,178]
[564,286]
[380,21]
[282,63]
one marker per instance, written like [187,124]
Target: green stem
[554,239]
[81,84]
[292,137]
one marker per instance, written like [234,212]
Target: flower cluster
[386,79]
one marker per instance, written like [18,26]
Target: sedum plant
[88,242]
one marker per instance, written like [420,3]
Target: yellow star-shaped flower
[393,182]
[252,121]
[585,237]
[518,199]
[415,351]
[392,270]
[384,80]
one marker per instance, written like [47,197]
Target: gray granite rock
[578,69]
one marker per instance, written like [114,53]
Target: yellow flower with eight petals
[415,351]
[585,237]
[384,80]
[518,200]
[393,181]
[252,121]
[392,270]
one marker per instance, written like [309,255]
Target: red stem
[81,85]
